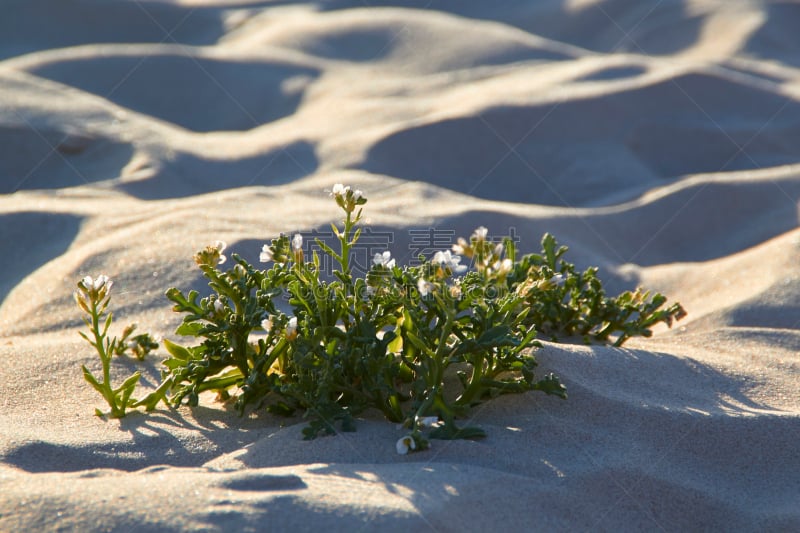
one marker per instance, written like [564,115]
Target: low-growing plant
[390,340]
[93,297]
[563,302]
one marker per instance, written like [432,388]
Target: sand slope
[658,140]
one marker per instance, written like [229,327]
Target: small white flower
[427,421]
[267,324]
[480,234]
[220,246]
[406,444]
[448,260]
[291,328]
[266,254]
[557,280]
[297,242]
[498,250]
[357,194]
[455,291]
[339,190]
[102,281]
[94,286]
[424,286]
[384,259]
[460,247]
[503,267]
[219,307]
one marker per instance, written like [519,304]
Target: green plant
[563,302]
[390,340]
[93,297]
[138,345]
[383,341]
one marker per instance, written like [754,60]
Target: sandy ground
[659,140]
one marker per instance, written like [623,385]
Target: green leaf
[328,250]
[419,344]
[177,351]
[189,329]
[127,391]
[496,337]
[150,401]
[128,383]
[107,324]
[396,345]
[88,376]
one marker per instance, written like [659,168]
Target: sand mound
[657,142]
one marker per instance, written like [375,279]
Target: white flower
[406,444]
[503,267]
[339,190]
[455,291]
[460,246]
[498,250]
[427,421]
[297,242]
[220,246]
[448,260]
[102,281]
[266,254]
[424,286]
[357,194]
[291,328]
[219,307]
[555,281]
[384,259]
[267,324]
[95,285]
[480,233]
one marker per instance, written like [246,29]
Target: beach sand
[660,141]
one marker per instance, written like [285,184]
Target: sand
[658,140]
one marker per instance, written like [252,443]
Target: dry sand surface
[660,140]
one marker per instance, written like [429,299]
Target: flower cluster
[93,292]
[346,198]
[211,255]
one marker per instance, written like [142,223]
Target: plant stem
[345,248]
[103,350]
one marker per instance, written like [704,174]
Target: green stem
[474,386]
[345,241]
[100,345]
[219,383]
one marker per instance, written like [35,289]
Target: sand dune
[658,140]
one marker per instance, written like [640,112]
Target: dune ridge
[657,140]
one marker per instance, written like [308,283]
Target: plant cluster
[422,344]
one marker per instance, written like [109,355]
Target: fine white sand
[659,140]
